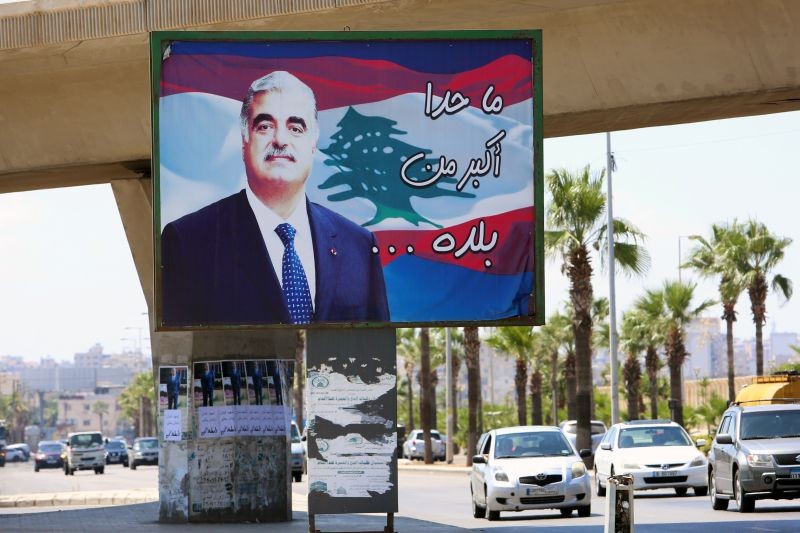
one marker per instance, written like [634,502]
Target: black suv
[755,456]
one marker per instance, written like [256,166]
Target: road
[442,497]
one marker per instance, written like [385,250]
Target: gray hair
[276,81]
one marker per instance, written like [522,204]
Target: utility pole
[612,305]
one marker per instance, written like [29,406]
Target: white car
[528,468]
[414,446]
[298,453]
[657,453]
[570,429]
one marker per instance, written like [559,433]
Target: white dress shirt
[268,220]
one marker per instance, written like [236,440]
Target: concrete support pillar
[208,480]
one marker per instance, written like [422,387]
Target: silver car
[414,446]
[755,455]
[570,429]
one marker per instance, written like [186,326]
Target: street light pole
[612,305]
[448,401]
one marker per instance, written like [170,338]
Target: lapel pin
[333,251]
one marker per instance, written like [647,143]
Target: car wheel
[298,476]
[718,504]
[125,464]
[566,511]
[477,510]
[700,491]
[585,511]
[600,489]
[493,515]
[681,491]
[133,465]
[745,503]
[102,470]
[96,470]
[71,471]
[36,468]
[66,471]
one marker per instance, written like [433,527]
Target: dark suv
[755,455]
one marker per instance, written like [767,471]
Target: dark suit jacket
[216,269]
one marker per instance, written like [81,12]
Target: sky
[67,279]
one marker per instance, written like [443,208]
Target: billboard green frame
[161,39]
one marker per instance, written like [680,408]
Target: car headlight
[578,469]
[631,466]
[759,459]
[500,476]
[700,460]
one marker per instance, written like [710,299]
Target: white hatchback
[657,453]
[527,468]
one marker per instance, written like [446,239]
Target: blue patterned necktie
[295,284]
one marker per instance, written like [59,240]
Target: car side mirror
[724,438]
[478,459]
[605,446]
[584,453]
[701,442]
[303,438]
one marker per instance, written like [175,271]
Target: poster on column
[173,401]
[352,430]
[241,398]
[324,178]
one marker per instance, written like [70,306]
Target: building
[781,351]
[702,339]
[79,412]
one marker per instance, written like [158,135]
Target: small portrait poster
[173,401]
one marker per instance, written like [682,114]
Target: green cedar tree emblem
[369,158]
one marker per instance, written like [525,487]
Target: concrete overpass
[75,107]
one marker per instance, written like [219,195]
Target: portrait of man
[234,371]
[207,378]
[266,254]
[255,370]
[173,389]
[171,379]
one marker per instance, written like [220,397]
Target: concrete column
[208,480]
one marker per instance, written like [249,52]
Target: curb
[78,498]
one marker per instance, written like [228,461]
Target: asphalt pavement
[137,510]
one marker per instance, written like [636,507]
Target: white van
[85,451]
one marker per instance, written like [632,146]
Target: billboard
[343,178]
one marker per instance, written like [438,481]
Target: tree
[425,391]
[633,342]
[557,332]
[756,257]
[408,349]
[576,218]
[137,400]
[472,352]
[100,408]
[677,298]
[649,311]
[299,376]
[516,341]
[714,257]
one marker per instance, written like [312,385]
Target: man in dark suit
[267,255]
[173,389]
[207,383]
[258,383]
[236,383]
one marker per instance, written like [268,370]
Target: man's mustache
[273,152]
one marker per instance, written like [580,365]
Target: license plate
[51,460]
[541,491]
[794,473]
[665,473]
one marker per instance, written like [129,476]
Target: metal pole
[612,307]
[448,401]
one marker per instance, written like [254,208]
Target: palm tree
[408,349]
[516,341]
[299,376]
[472,349]
[555,334]
[715,257]
[136,401]
[576,217]
[632,341]
[425,391]
[100,408]
[755,259]
[652,325]
[677,298]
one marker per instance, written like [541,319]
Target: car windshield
[531,444]
[653,436]
[149,444]
[771,424]
[86,440]
[295,434]
[50,448]
[115,445]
